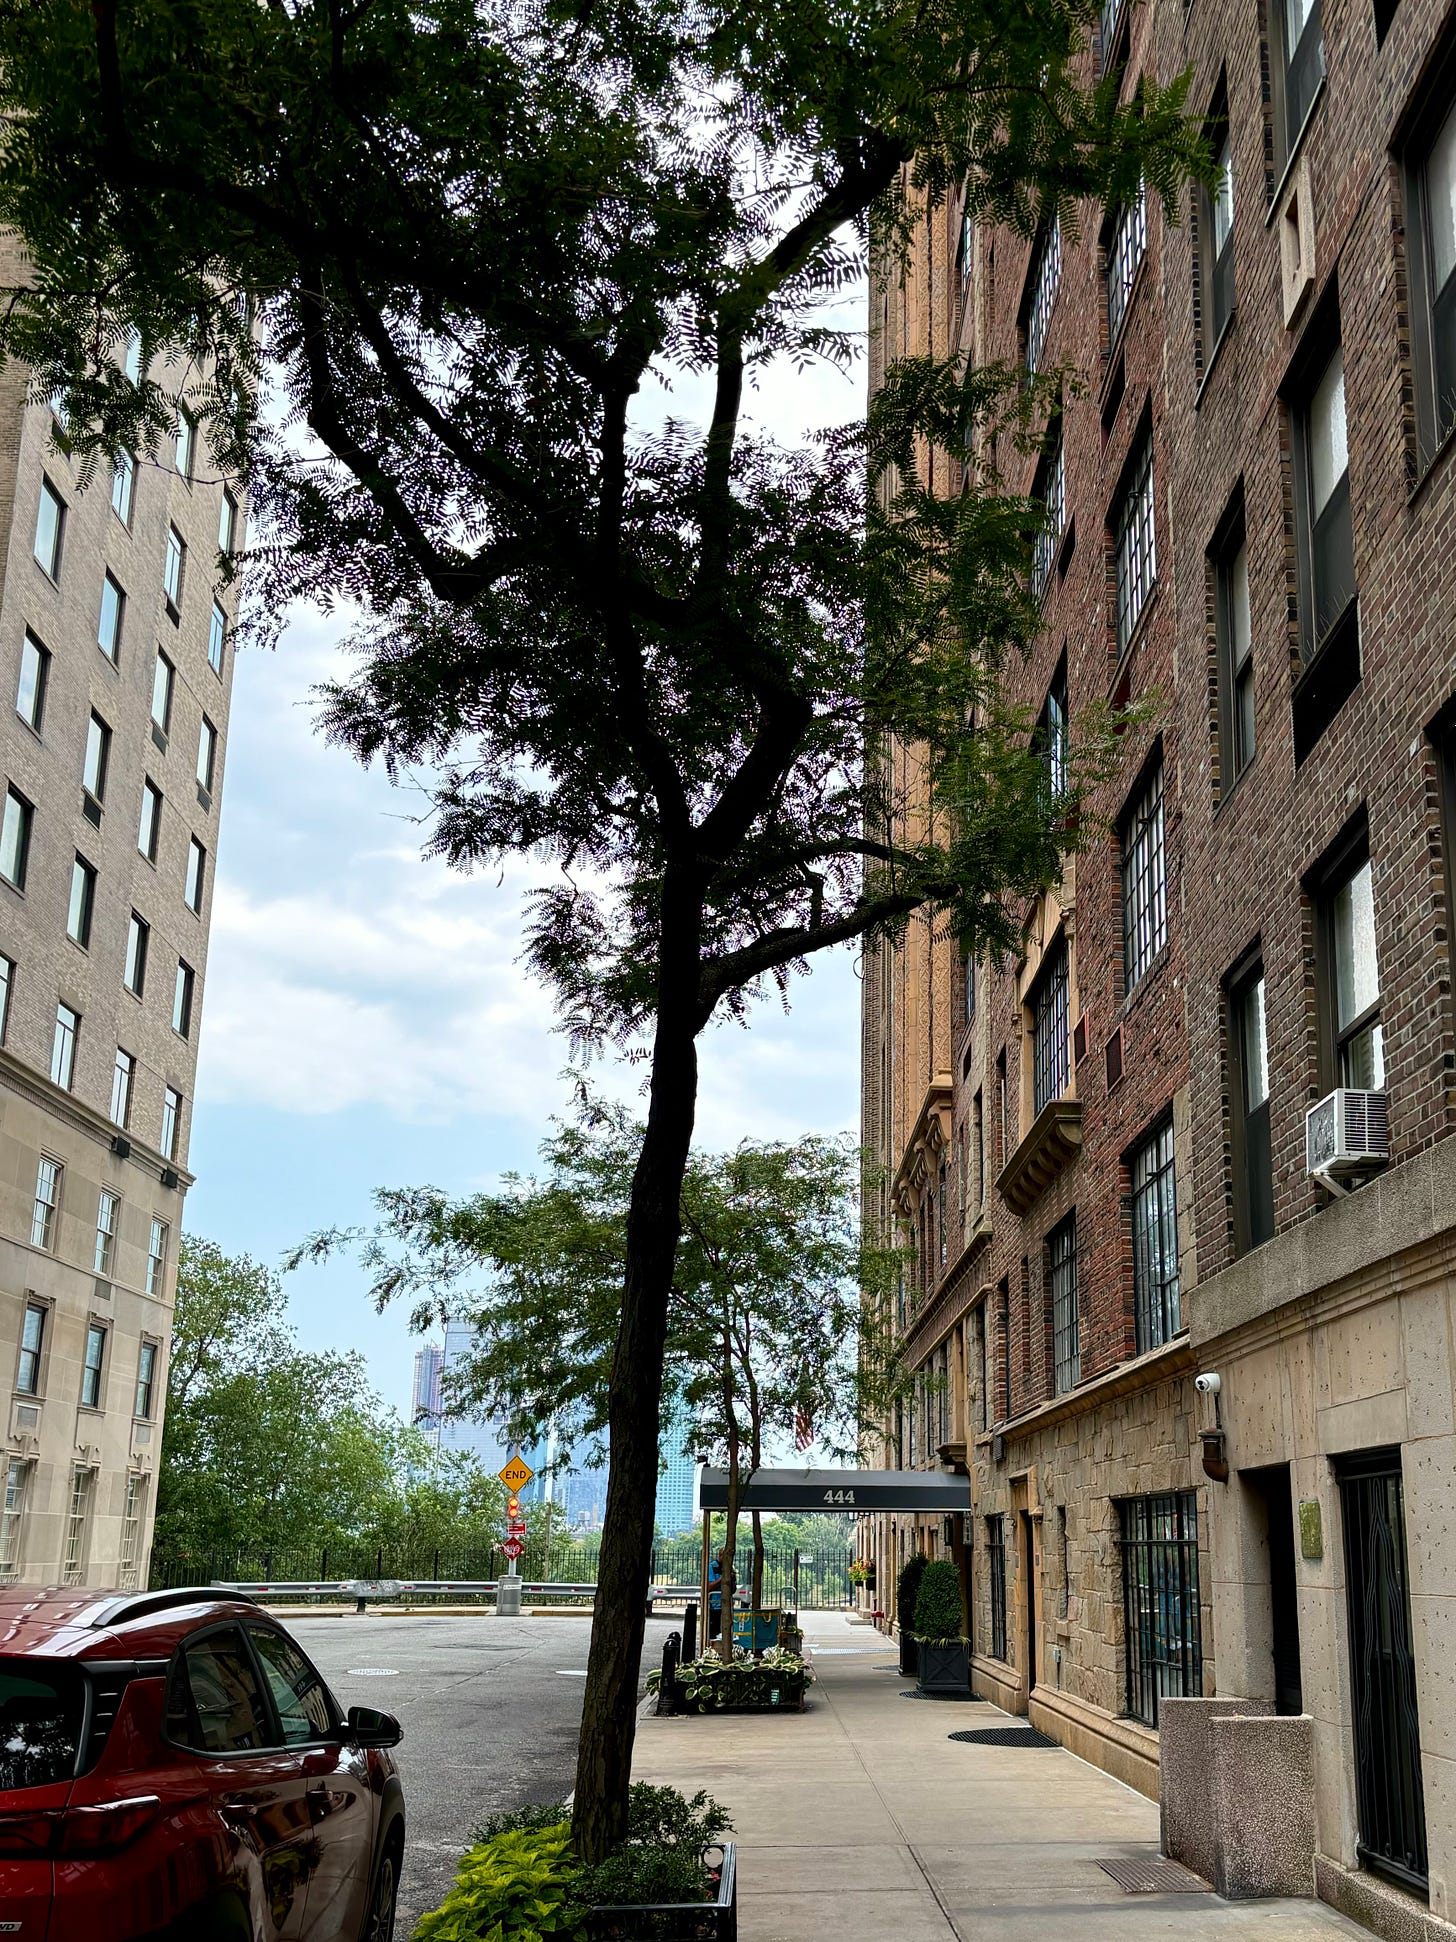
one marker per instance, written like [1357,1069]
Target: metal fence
[817,1581]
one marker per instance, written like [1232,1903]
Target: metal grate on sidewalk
[1153,1875]
[1002,1736]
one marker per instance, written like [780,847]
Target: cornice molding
[81,1118]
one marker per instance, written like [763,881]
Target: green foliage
[712,1684]
[518,1886]
[661,1860]
[938,1603]
[906,1591]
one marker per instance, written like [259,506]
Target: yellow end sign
[516,1474]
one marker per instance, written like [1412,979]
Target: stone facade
[104,1141]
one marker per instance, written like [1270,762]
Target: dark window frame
[996,1582]
[1217,286]
[1238,733]
[1434,425]
[1065,1301]
[1144,884]
[1050,1004]
[1153,1188]
[1250,1152]
[1340,865]
[1158,1536]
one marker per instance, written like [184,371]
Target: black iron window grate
[1144,881]
[996,1560]
[1066,1333]
[1051,1063]
[1137,561]
[1156,1293]
[1160,1601]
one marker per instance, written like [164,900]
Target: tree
[469,232]
[771,1327]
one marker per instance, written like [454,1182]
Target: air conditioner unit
[1348,1132]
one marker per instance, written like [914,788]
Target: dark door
[1389,1795]
[1028,1552]
[1273,1486]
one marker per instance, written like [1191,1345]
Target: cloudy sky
[366,1020]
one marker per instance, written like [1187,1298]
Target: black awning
[840,1490]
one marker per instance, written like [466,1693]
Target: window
[146,1382]
[7,985]
[150,827]
[35,669]
[92,1366]
[1302,53]
[171,1116]
[1052,731]
[157,1257]
[78,1523]
[123,1072]
[1064,1593]
[15,838]
[186,441]
[108,627]
[1431,227]
[182,999]
[1249,1092]
[1326,541]
[131,360]
[1110,18]
[1041,296]
[1160,1601]
[1126,245]
[1050,487]
[996,1573]
[1354,979]
[138,938]
[1066,1330]
[1051,1066]
[968,985]
[299,1695]
[129,1570]
[123,487]
[1155,1290]
[1235,657]
[163,680]
[1137,561]
[214,1702]
[172,568]
[941,1209]
[47,1202]
[978,1128]
[983,1366]
[227,524]
[196,874]
[98,758]
[82,904]
[1006,1349]
[108,1222]
[63,1045]
[206,754]
[216,638]
[1218,224]
[50,520]
[32,1337]
[12,1516]
[1144,881]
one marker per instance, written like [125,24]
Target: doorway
[1389,1795]
[1275,1499]
[1028,1554]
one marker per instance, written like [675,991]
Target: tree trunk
[609,1703]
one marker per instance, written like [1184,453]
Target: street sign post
[516,1474]
[513,1548]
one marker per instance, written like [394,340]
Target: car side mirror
[367,1726]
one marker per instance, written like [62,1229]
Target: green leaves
[938,1616]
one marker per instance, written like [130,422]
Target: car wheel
[379,1922]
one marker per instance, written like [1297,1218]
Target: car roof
[87,1622]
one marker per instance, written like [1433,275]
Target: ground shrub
[938,1603]
[907,1590]
[520,1885]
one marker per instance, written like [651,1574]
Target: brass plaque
[1311,1529]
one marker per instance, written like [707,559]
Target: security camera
[1208,1385]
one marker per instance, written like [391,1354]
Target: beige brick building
[115,671]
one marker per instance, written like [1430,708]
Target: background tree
[476,230]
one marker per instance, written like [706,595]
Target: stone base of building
[1378,1905]
[1121,1747]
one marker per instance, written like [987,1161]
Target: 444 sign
[513,1547]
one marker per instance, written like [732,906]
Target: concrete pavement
[861,1816]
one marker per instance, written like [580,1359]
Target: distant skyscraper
[675,1509]
[483,1440]
[425,1406]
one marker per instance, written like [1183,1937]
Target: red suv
[172,1767]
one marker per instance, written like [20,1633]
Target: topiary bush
[906,1591]
[938,1603]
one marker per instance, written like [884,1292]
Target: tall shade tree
[466,234]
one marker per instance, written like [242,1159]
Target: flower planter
[710,1921]
[790,1700]
[909,1655]
[945,1666]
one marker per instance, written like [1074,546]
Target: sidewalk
[862,1817]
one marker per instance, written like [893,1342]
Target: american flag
[803,1430]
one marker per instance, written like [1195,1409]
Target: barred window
[1137,558]
[1051,489]
[1156,1298]
[1051,729]
[1066,1334]
[131,1530]
[78,1522]
[12,1517]
[1160,1601]
[1046,275]
[1126,246]
[996,1560]
[1051,1065]
[1144,881]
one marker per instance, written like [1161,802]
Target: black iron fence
[812,1581]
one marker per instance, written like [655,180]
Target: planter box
[945,1668]
[711,1921]
[909,1655]
[791,1700]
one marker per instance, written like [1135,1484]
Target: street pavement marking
[571,1672]
[373,1672]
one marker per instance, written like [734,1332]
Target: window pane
[1144,887]
[156,1257]
[151,820]
[216,638]
[106,1221]
[1066,1347]
[1328,460]
[137,935]
[1137,563]
[184,443]
[206,752]
[213,1699]
[196,870]
[48,529]
[1125,252]
[1357,981]
[1156,1291]
[1255,1048]
[171,1108]
[108,628]
[123,485]
[91,1368]
[1044,294]
[15,839]
[42,1719]
[298,1693]
[98,750]
[78,917]
[172,567]
[1223,199]
[34,668]
[121,1078]
[63,1046]
[162,692]
[182,999]
[1051,1065]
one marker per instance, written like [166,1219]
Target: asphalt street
[490,1709]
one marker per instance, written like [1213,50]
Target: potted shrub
[945,1665]
[772,1683]
[911,1572]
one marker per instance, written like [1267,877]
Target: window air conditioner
[1348,1132]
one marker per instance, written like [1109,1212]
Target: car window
[214,1702]
[41,1710]
[298,1692]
